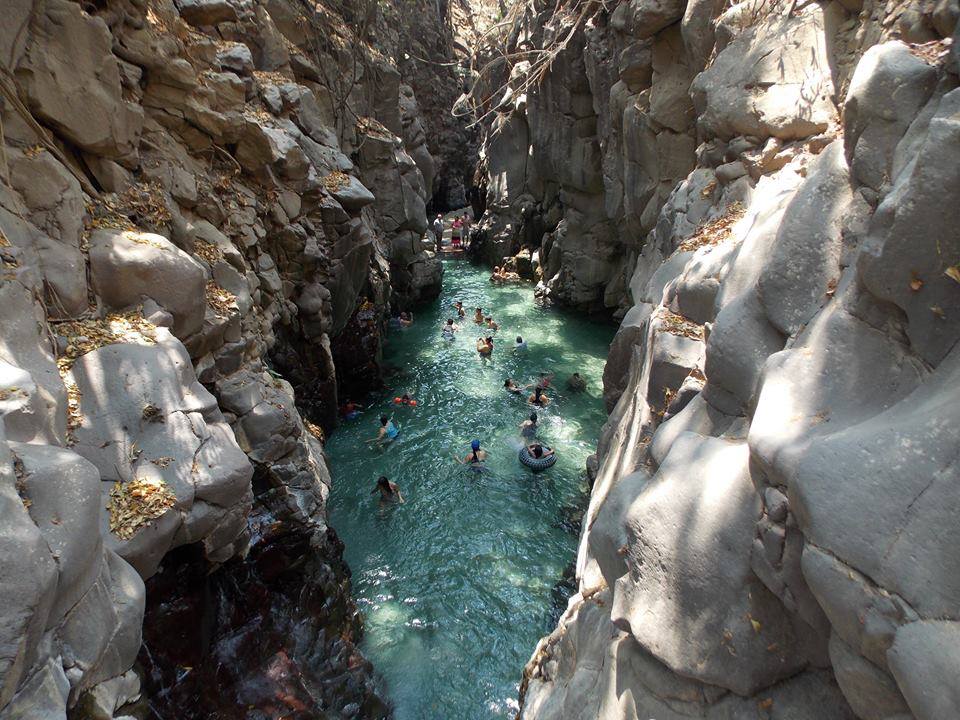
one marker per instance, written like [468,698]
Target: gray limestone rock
[207,12]
[887,90]
[353,195]
[907,241]
[872,693]
[145,415]
[71,80]
[773,79]
[894,524]
[236,58]
[805,262]
[28,590]
[690,596]
[126,267]
[925,660]
[64,494]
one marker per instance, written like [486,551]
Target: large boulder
[773,79]
[907,252]
[887,90]
[71,79]
[690,596]
[144,415]
[127,267]
[925,660]
[28,581]
[207,12]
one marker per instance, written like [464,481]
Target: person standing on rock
[389,491]
[438,231]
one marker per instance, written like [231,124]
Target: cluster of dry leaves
[336,180]
[715,231]
[221,300]
[207,251]
[679,325]
[89,334]
[140,204]
[134,504]
[315,430]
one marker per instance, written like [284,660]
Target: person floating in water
[485,346]
[406,319]
[491,325]
[511,387]
[350,409]
[476,456]
[538,398]
[389,491]
[478,316]
[529,427]
[538,451]
[576,383]
[449,328]
[520,344]
[405,399]
[388,431]
[459,306]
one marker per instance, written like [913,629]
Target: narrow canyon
[737,222]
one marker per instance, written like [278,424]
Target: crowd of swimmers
[536,391]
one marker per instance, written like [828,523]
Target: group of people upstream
[459,231]
[533,453]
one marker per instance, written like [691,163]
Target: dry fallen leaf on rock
[134,504]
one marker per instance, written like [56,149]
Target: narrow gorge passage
[456,584]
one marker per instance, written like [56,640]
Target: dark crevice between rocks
[271,636]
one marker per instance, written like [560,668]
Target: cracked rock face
[771,531]
[197,196]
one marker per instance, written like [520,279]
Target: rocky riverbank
[767,193]
[208,209]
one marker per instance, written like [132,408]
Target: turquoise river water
[456,585]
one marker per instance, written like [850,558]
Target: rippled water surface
[456,584]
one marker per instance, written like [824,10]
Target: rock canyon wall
[207,210]
[767,193]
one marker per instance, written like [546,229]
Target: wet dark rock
[270,636]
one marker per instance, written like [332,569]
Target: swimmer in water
[576,383]
[491,325]
[459,306]
[478,316]
[350,409]
[485,345]
[511,387]
[520,344]
[449,328]
[406,319]
[529,427]
[538,398]
[388,431]
[538,451]
[476,456]
[389,491]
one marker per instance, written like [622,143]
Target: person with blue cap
[476,456]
